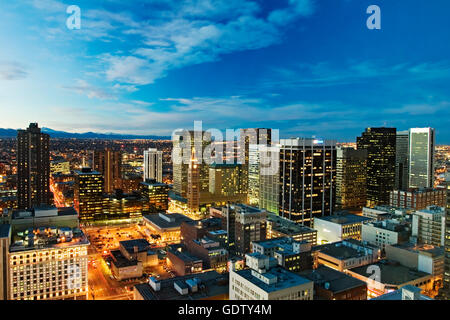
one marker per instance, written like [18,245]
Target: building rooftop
[285,279]
[120,261]
[141,245]
[399,294]
[345,249]
[286,226]
[183,255]
[47,237]
[426,249]
[211,284]
[336,281]
[392,272]
[344,219]
[167,221]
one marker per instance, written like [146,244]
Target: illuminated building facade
[417,199]
[351,178]
[153,165]
[421,157]
[155,196]
[33,167]
[401,160]
[49,264]
[380,144]
[225,182]
[307,179]
[108,163]
[269,181]
[444,293]
[120,207]
[60,166]
[88,194]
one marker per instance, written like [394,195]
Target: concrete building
[180,260]
[153,165]
[165,226]
[108,163]
[44,216]
[250,225]
[346,254]
[385,232]
[265,281]
[421,157]
[292,255]
[376,213]
[428,225]
[278,227]
[48,263]
[330,284]
[338,227]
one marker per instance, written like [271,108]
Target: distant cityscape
[120,218]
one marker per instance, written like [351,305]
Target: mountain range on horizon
[12,133]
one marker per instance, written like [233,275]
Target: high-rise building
[5,241]
[307,179]
[193,187]
[248,137]
[250,225]
[421,157]
[253,175]
[401,160]
[153,165]
[185,143]
[351,178]
[417,199]
[88,194]
[108,163]
[33,167]
[444,293]
[269,180]
[156,196]
[380,144]
[225,182]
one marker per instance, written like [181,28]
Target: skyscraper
[193,187]
[185,142]
[351,178]
[108,163]
[33,167]
[153,165]
[253,175]
[421,157]
[307,179]
[88,194]
[401,160]
[248,137]
[380,144]
[269,180]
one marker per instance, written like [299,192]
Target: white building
[153,165]
[264,281]
[421,157]
[428,225]
[385,232]
[338,227]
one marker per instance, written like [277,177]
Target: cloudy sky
[306,67]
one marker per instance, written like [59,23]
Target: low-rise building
[278,227]
[292,255]
[330,284]
[338,227]
[386,276]
[167,227]
[346,254]
[385,232]
[266,281]
[182,262]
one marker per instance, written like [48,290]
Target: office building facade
[33,167]
[108,163]
[88,194]
[421,157]
[153,165]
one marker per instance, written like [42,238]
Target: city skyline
[305,67]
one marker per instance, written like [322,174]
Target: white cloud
[11,70]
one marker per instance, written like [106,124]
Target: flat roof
[286,279]
[287,226]
[392,272]
[338,281]
[340,251]
[161,223]
[215,284]
[344,219]
[120,261]
[141,244]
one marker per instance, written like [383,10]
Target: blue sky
[306,67]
